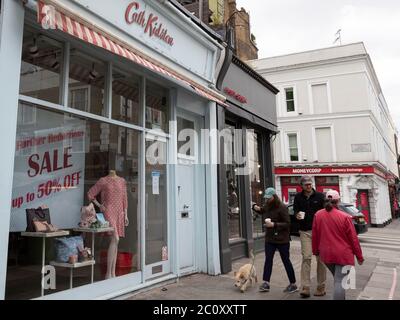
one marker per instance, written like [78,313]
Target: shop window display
[40,67]
[62,163]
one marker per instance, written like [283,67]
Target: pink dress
[114,198]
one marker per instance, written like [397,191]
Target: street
[376,279]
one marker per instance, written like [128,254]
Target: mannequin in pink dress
[112,190]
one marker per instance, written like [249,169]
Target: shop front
[96,95]
[247,125]
[367,187]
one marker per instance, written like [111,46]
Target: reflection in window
[126,98]
[86,83]
[40,67]
[79,153]
[232,179]
[157,107]
[256,181]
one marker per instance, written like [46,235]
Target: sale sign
[49,170]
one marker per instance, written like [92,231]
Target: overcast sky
[288,26]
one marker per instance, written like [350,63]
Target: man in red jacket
[335,241]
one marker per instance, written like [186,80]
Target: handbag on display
[43,226]
[66,247]
[85,254]
[36,214]
[88,216]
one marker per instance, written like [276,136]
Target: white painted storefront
[174,73]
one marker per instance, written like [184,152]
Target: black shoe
[264,287]
[291,288]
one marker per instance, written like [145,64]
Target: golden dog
[246,275]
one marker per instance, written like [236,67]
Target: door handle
[185,206]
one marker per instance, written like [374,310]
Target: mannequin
[112,190]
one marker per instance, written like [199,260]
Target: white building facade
[335,126]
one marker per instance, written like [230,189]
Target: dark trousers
[284,251]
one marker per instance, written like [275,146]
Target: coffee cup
[268,220]
[302,214]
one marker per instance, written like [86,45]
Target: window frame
[288,149]
[88,92]
[311,96]
[283,99]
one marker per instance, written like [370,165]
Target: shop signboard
[330,171]
[150,23]
[49,171]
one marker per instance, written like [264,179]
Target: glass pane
[157,108]
[289,94]
[255,177]
[185,137]
[126,98]
[233,196]
[156,202]
[63,162]
[86,83]
[40,67]
[290,105]
[294,154]
[292,141]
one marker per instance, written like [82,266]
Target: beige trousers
[306,251]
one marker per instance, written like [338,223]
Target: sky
[288,26]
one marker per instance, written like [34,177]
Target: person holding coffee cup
[306,204]
[277,237]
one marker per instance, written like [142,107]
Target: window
[26,115]
[254,157]
[40,67]
[157,107]
[86,83]
[79,98]
[57,162]
[126,98]
[156,201]
[234,194]
[289,96]
[324,144]
[293,147]
[320,98]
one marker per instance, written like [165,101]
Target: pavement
[377,279]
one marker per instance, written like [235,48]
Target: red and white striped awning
[52,16]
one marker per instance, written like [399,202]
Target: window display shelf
[44,236]
[60,233]
[94,230]
[73,266]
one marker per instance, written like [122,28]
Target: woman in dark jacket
[277,237]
